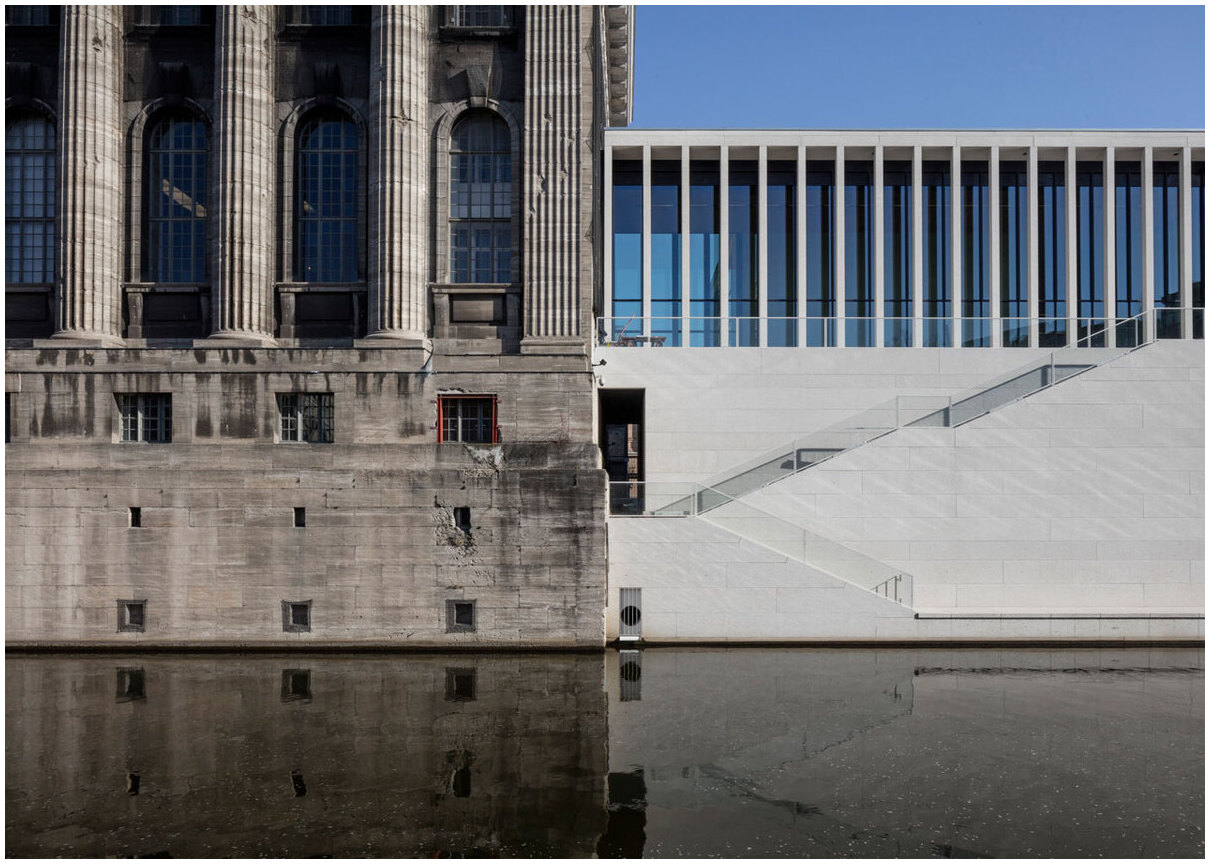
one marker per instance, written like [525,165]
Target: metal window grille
[145,417]
[28,16]
[477,16]
[325,16]
[176,201]
[480,200]
[29,202]
[470,419]
[630,613]
[306,417]
[327,215]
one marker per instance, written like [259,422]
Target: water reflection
[748,752]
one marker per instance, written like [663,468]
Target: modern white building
[883,385]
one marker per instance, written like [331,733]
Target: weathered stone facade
[378,553]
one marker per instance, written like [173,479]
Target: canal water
[663,752]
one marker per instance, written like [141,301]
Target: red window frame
[446,400]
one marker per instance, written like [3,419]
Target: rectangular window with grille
[478,16]
[145,417]
[306,418]
[470,419]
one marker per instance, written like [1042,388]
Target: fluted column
[556,150]
[243,218]
[88,271]
[399,173]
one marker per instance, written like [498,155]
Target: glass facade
[783,258]
[29,202]
[1014,254]
[934,293]
[1128,251]
[821,268]
[481,228]
[1090,252]
[666,252]
[859,310]
[705,254]
[1052,255]
[935,187]
[176,201]
[743,219]
[329,149]
[976,296]
[897,254]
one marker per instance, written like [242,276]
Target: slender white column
[1186,245]
[399,173]
[607,258]
[89,263]
[956,287]
[800,244]
[879,250]
[1033,279]
[724,244]
[993,245]
[686,269]
[762,245]
[646,240]
[840,248]
[917,248]
[1073,257]
[1109,209]
[243,284]
[1148,246]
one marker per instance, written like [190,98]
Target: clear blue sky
[974,67]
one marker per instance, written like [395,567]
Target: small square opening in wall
[300,517]
[462,519]
[130,685]
[296,616]
[459,616]
[296,685]
[460,685]
[131,616]
[136,517]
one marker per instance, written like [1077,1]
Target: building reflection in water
[788,752]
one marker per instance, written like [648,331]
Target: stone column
[399,174]
[243,215]
[88,278]
[556,152]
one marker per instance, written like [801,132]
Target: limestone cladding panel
[243,262]
[88,270]
[399,172]
[555,156]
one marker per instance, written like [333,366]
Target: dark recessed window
[462,782]
[130,685]
[300,517]
[462,519]
[31,16]
[29,208]
[325,16]
[460,685]
[481,235]
[131,616]
[459,616]
[296,685]
[328,208]
[493,17]
[145,417]
[136,517]
[296,616]
[470,419]
[176,199]
[306,417]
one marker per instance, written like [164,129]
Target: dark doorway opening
[621,443]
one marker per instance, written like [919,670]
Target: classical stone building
[299,318]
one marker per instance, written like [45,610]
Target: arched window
[327,199]
[481,176]
[29,202]
[176,200]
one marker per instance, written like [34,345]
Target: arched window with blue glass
[176,200]
[481,189]
[29,201]
[328,200]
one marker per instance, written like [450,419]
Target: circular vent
[631,615]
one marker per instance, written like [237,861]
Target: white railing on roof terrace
[878,332]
